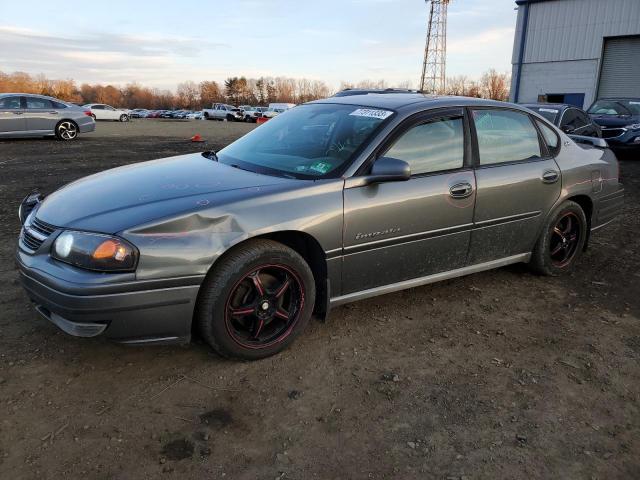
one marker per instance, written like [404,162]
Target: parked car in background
[338,200]
[568,118]
[139,113]
[619,119]
[222,111]
[29,115]
[251,114]
[195,115]
[276,109]
[101,111]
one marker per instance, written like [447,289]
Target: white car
[101,111]
[277,108]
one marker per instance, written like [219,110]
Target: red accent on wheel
[264,306]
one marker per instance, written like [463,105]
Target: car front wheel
[256,301]
[562,240]
[124,118]
[66,130]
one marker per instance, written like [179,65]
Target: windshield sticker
[549,110]
[321,167]
[371,113]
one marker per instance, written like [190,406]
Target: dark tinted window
[583,118]
[431,147]
[97,107]
[10,103]
[34,102]
[58,105]
[505,136]
[549,113]
[574,118]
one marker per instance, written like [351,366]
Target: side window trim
[416,119]
[549,152]
[474,138]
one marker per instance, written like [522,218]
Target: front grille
[612,132]
[34,235]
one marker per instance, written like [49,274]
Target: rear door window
[38,103]
[505,136]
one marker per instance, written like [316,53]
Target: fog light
[63,245]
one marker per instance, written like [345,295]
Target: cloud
[103,57]
[482,41]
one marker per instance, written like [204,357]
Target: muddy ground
[502,374]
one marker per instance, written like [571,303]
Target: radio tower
[435,50]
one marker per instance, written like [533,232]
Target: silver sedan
[28,115]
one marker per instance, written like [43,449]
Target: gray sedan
[28,115]
[333,201]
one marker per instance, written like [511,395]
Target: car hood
[615,120]
[127,196]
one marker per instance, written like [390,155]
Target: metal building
[576,51]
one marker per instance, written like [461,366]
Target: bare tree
[495,85]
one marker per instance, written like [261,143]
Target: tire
[67,130]
[241,306]
[562,240]
[206,116]
[229,118]
[124,118]
[94,117]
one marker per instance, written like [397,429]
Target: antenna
[435,50]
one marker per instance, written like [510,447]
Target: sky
[162,43]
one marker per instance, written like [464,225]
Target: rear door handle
[18,113]
[550,176]
[461,190]
[53,113]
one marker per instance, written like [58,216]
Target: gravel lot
[501,374]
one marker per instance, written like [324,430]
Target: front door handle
[18,113]
[550,176]
[461,190]
[53,113]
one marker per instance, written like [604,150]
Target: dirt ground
[502,374]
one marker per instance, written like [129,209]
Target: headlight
[635,126]
[95,251]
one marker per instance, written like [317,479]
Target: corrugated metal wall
[573,29]
[564,44]
[620,70]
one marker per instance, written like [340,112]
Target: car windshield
[616,107]
[549,113]
[308,141]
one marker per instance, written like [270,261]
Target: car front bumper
[131,312]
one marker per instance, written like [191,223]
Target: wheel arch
[309,249]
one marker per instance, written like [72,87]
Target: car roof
[8,94]
[399,100]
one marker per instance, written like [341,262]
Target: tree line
[235,90]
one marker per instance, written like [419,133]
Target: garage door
[620,73]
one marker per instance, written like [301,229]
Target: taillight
[87,113]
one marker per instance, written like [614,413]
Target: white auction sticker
[548,110]
[371,112]
[634,103]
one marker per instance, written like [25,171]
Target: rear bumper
[88,127]
[607,208]
[156,315]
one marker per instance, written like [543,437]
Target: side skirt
[437,277]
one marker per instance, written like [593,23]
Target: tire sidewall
[212,314]
[542,254]
[124,118]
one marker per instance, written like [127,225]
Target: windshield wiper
[211,155]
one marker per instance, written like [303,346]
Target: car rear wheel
[229,118]
[562,240]
[256,301]
[124,118]
[66,130]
